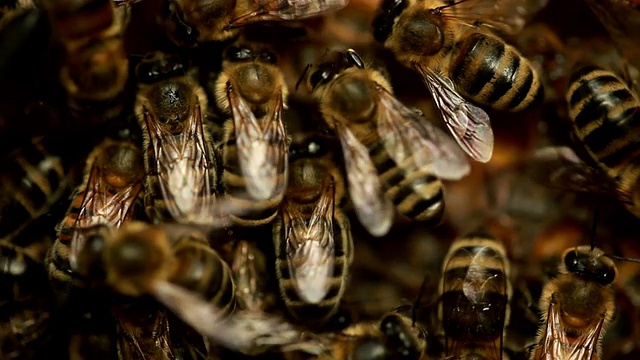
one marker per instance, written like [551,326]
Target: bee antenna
[414,308]
[136,56]
[304,72]
[622,258]
[594,226]
[453,3]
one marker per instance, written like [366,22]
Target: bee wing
[586,345]
[183,167]
[311,248]
[551,345]
[469,124]
[278,10]
[100,207]
[248,270]
[406,133]
[374,210]
[243,331]
[260,161]
[560,167]
[508,16]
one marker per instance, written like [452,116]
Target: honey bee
[579,304]
[34,177]
[444,42]
[179,160]
[108,196]
[392,154]
[249,268]
[190,22]
[603,111]
[475,297]
[95,67]
[313,255]
[252,90]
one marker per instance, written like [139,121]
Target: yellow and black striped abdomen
[416,192]
[493,73]
[202,270]
[299,309]
[606,117]
[248,211]
[475,294]
[32,180]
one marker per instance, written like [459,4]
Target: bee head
[244,53]
[328,70]
[399,337]
[387,14]
[157,66]
[591,264]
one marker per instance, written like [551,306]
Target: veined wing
[279,10]
[469,124]
[406,133]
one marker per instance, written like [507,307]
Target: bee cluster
[212,179]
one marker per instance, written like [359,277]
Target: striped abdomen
[606,117]
[490,72]
[248,211]
[475,295]
[202,270]
[297,307]
[32,180]
[416,193]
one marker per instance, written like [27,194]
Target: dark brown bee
[577,305]
[179,160]
[251,90]
[392,154]
[475,298]
[95,67]
[457,59]
[109,196]
[312,235]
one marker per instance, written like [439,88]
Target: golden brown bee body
[252,90]
[108,196]
[579,304]
[387,147]
[394,337]
[190,22]
[312,236]
[95,67]
[138,256]
[180,165]
[475,297]
[33,178]
[605,114]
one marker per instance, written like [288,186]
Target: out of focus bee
[605,115]
[476,291]
[34,177]
[109,195]
[249,269]
[578,304]
[392,154]
[457,58]
[251,90]
[312,235]
[95,67]
[395,336]
[190,22]
[179,159]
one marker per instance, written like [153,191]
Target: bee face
[590,264]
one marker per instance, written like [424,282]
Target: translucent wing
[508,16]
[469,124]
[310,247]
[247,332]
[248,268]
[183,166]
[278,10]
[407,134]
[101,206]
[262,153]
[374,210]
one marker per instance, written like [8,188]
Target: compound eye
[322,76]
[606,276]
[571,261]
[353,59]
[268,57]
[239,53]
